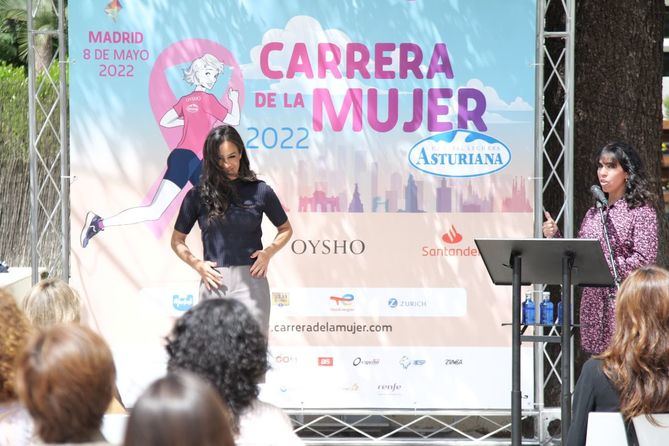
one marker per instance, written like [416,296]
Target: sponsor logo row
[404,362]
[452,247]
[345,301]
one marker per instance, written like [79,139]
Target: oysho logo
[460,153]
[182,303]
[325,361]
[328,247]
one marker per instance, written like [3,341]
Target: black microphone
[596,192]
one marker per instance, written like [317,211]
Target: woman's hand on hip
[259,267]
[209,275]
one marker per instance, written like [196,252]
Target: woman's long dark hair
[216,191]
[636,187]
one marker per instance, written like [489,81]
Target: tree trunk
[618,95]
[618,86]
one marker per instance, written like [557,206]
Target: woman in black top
[632,375]
[228,205]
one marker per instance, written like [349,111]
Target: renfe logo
[460,153]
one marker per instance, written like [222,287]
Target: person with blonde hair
[632,375]
[51,301]
[65,378]
[16,427]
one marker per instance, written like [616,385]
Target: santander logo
[452,236]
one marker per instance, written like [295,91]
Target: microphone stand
[616,277]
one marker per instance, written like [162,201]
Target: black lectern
[543,261]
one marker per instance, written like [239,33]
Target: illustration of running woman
[197,112]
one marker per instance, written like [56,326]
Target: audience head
[52,301]
[220,341]
[66,381]
[637,361]
[179,410]
[14,333]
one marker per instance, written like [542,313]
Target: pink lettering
[373,110]
[381,61]
[440,62]
[299,62]
[476,114]
[264,60]
[435,109]
[325,63]
[323,100]
[412,65]
[353,64]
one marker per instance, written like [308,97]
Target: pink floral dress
[633,237]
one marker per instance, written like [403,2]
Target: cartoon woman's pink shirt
[199,110]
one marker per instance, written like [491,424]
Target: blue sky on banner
[484,37]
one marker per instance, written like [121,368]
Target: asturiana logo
[460,153]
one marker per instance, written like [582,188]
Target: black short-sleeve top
[231,240]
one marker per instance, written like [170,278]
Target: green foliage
[14,113]
[14,21]
[8,49]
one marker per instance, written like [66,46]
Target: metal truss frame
[553,149]
[49,168]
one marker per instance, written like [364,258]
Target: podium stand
[563,262]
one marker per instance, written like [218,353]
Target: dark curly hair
[220,341]
[636,188]
[216,191]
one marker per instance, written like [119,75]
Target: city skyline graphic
[406,193]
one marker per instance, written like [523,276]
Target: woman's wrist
[270,251]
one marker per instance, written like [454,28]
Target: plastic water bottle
[528,317]
[546,309]
[559,313]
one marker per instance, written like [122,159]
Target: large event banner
[394,133]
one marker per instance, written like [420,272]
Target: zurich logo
[460,153]
[392,302]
